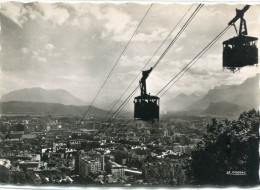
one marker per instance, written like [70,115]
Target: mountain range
[223,108]
[43,108]
[221,100]
[42,95]
[245,95]
[180,102]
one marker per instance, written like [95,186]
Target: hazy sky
[74,46]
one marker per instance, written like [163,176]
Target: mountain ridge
[35,108]
[245,95]
[223,108]
[180,102]
[38,94]
[241,97]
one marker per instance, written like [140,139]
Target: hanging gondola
[146,106]
[241,50]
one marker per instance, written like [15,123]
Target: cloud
[135,61]
[158,34]
[39,58]
[42,59]
[54,13]
[117,25]
[47,50]
[73,78]
[20,13]
[124,77]
[179,49]
[198,71]
[24,50]
[75,22]
[14,11]
[117,21]
[49,46]
[35,52]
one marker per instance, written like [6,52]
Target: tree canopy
[228,152]
[5,176]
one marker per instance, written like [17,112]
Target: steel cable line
[158,61]
[117,61]
[147,62]
[167,49]
[194,60]
[124,125]
[176,37]
[179,33]
[182,72]
[164,53]
[119,109]
[125,102]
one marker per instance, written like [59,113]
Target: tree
[5,175]
[228,147]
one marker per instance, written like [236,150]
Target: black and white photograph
[139,94]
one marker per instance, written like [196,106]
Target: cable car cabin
[146,108]
[240,51]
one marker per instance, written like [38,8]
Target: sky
[73,46]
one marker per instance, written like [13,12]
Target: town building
[116,169]
[87,166]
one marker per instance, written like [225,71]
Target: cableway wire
[117,61]
[193,61]
[185,69]
[119,109]
[147,63]
[164,53]
[169,46]
[157,62]
[179,33]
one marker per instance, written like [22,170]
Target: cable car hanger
[240,15]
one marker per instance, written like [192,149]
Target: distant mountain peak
[43,108]
[180,102]
[223,108]
[252,80]
[245,95]
[182,95]
[222,86]
[38,94]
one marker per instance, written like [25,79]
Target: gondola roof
[147,97]
[240,40]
